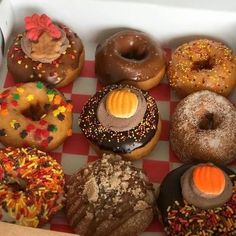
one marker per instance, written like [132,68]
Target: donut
[130,57]
[198,199]
[109,197]
[203,127]
[34,115]
[121,119]
[202,65]
[47,52]
[31,186]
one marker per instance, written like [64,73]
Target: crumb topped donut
[203,127]
[202,65]
[33,115]
[31,186]
[202,200]
[48,52]
[121,119]
[130,57]
[110,197]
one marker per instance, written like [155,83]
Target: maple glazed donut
[202,200]
[203,127]
[130,57]
[110,197]
[34,115]
[46,52]
[121,119]
[202,65]
[31,186]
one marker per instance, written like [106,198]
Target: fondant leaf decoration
[36,24]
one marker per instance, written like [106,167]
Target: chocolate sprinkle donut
[118,142]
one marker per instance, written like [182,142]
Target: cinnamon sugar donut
[202,65]
[203,127]
[46,52]
[130,57]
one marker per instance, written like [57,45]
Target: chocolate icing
[128,55]
[105,195]
[24,69]
[171,193]
[194,196]
[118,142]
[122,124]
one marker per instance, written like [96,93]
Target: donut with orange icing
[34,115]
[31,186]
[130,57]
[121,119]
[202,200]
[47,52]
[203,128]
[202,65]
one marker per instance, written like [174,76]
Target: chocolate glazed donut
[130,57]
[180,217]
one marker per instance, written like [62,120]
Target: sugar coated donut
[130,57]
[121,119]
[202,65]
[31,186]
[110,197]
[203,127]
[33,115]
[48,52]
[198,199]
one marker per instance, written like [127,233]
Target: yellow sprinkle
[20,90]
[12,123]
[61,109]
[30,97]
[50,97]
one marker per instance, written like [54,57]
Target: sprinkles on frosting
[41,182]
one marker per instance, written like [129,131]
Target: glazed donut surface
[202,65]
[130,57]
[33,115]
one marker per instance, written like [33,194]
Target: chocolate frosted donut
[46,52]
[203,127]
[121,119]
[130,57]
[181,216]
[110,197]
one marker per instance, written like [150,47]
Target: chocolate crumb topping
[108,190]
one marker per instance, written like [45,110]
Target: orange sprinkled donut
[31,186]
[34,115]
[202,65]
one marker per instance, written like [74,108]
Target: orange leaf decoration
[209,179]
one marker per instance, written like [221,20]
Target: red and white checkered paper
[76,151]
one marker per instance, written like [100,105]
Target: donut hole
[209,122]
[203,65]
[17,185]
[134,52]
[34,112]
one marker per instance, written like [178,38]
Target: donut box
[94,20]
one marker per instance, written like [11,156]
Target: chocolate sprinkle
[17,126]
[23,133]
[61,117]
[52,128]
[2,132]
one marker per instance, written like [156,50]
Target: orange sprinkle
[57,100]
[209,179]
[69,132]
[69,107]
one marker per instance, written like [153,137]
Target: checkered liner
[76,151]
